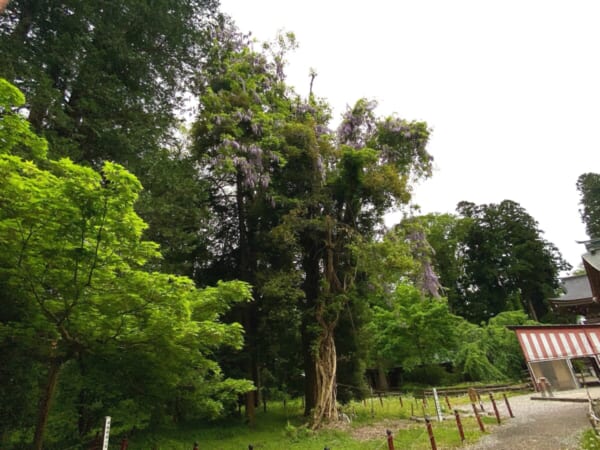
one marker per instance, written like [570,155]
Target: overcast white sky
[510,88]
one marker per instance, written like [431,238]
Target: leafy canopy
[73,267]
[588,185]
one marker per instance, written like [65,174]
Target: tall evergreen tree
[493,258]
[238,141]
[588,185]
[103,80]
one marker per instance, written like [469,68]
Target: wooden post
[481,427]
[480,402]
[431,436]
[508,406]
[461,432]
[448,402]
[401,403]
[495,407]
[390,440]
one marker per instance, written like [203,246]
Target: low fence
[475,400]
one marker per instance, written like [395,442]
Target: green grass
[280,429]
[589,440]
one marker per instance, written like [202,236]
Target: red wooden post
[461,432]
[401,403]
[481,427]
[124,444]
[495,407]
[480,402]
[390,439]
[508,406]
[448,402]
[431,436]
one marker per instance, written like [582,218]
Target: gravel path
[538,425]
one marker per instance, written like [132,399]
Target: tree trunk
[250,407]
[532,312]
[326,366]
[310,287]
[246,273]
[45,402]
[382,382]
[310,377]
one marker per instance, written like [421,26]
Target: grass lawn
[284,428]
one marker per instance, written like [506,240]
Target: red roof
[540,343]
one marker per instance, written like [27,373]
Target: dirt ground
[539,425]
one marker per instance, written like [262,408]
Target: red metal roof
[541,343]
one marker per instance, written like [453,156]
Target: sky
[510,89]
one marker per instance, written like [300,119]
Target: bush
[429,375]
[590,440]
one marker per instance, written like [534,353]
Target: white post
[106,432]
[438,409]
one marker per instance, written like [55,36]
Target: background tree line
[259,192]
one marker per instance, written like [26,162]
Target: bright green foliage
[588,185]
[15,134]
[72,268]
[491,352]
[590,440]
[413,330]
[111,82]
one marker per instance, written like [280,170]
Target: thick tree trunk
[250,407]
[382,382]
[310,377]
[326,366]
[309,337]
[246,271]
[45,402]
